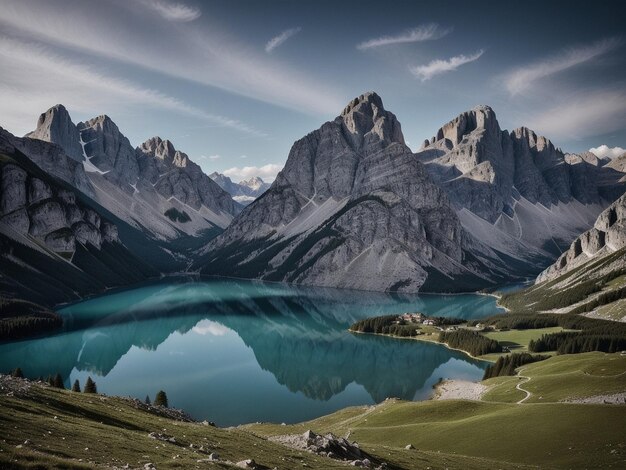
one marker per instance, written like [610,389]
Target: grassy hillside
[65,429]
[596,288]
[542,431]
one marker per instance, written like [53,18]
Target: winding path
[519,387]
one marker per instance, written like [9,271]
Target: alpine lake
[235,352]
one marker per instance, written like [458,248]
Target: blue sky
[235,83]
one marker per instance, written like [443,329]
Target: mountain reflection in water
[239,351]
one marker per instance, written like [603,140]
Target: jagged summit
[55,125]
[481,117]
[368,123]
[165,151]
[369,97]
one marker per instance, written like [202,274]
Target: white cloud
[426,32]
[208,327]
[588,113]
[266,172]
[205,55]
[604,151]
[522,78]
[281,38]
[210,157]
[31,75]
[172,11]
[439,66]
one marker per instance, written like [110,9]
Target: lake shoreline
[423,340]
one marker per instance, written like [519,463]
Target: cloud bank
[267,172]
[604,151]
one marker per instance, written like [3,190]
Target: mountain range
[243,192]
[354,207]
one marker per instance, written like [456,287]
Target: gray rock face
[110,151]
[173,175]
[55,125]
[32,207]
[38,191]
[507,183]
[46,217]
[14,188]
[135,184]
[49,157]
[87,233]
[352,208]
[607,236]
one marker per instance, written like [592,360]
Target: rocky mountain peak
[253,183]
[101,123]
[55,125]
[165,151]
[368,123]
[480,118]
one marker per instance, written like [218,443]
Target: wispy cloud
[204,55]
[281,38]
[172,11]
[34,78]
[267,172]
[439,66]
[426,32]
[588,113]
[522,78]
[604,151]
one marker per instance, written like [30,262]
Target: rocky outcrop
[31,206]
[328,445]
[49,157]
[607,236]
[352,208]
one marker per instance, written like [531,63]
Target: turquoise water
[236,351]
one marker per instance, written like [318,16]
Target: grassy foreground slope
[543,431]
[64,429]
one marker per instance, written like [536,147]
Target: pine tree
[17,373]
[57,382]
[50,380]
[76,386]
[160,399]
[147,399]
[90,386]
